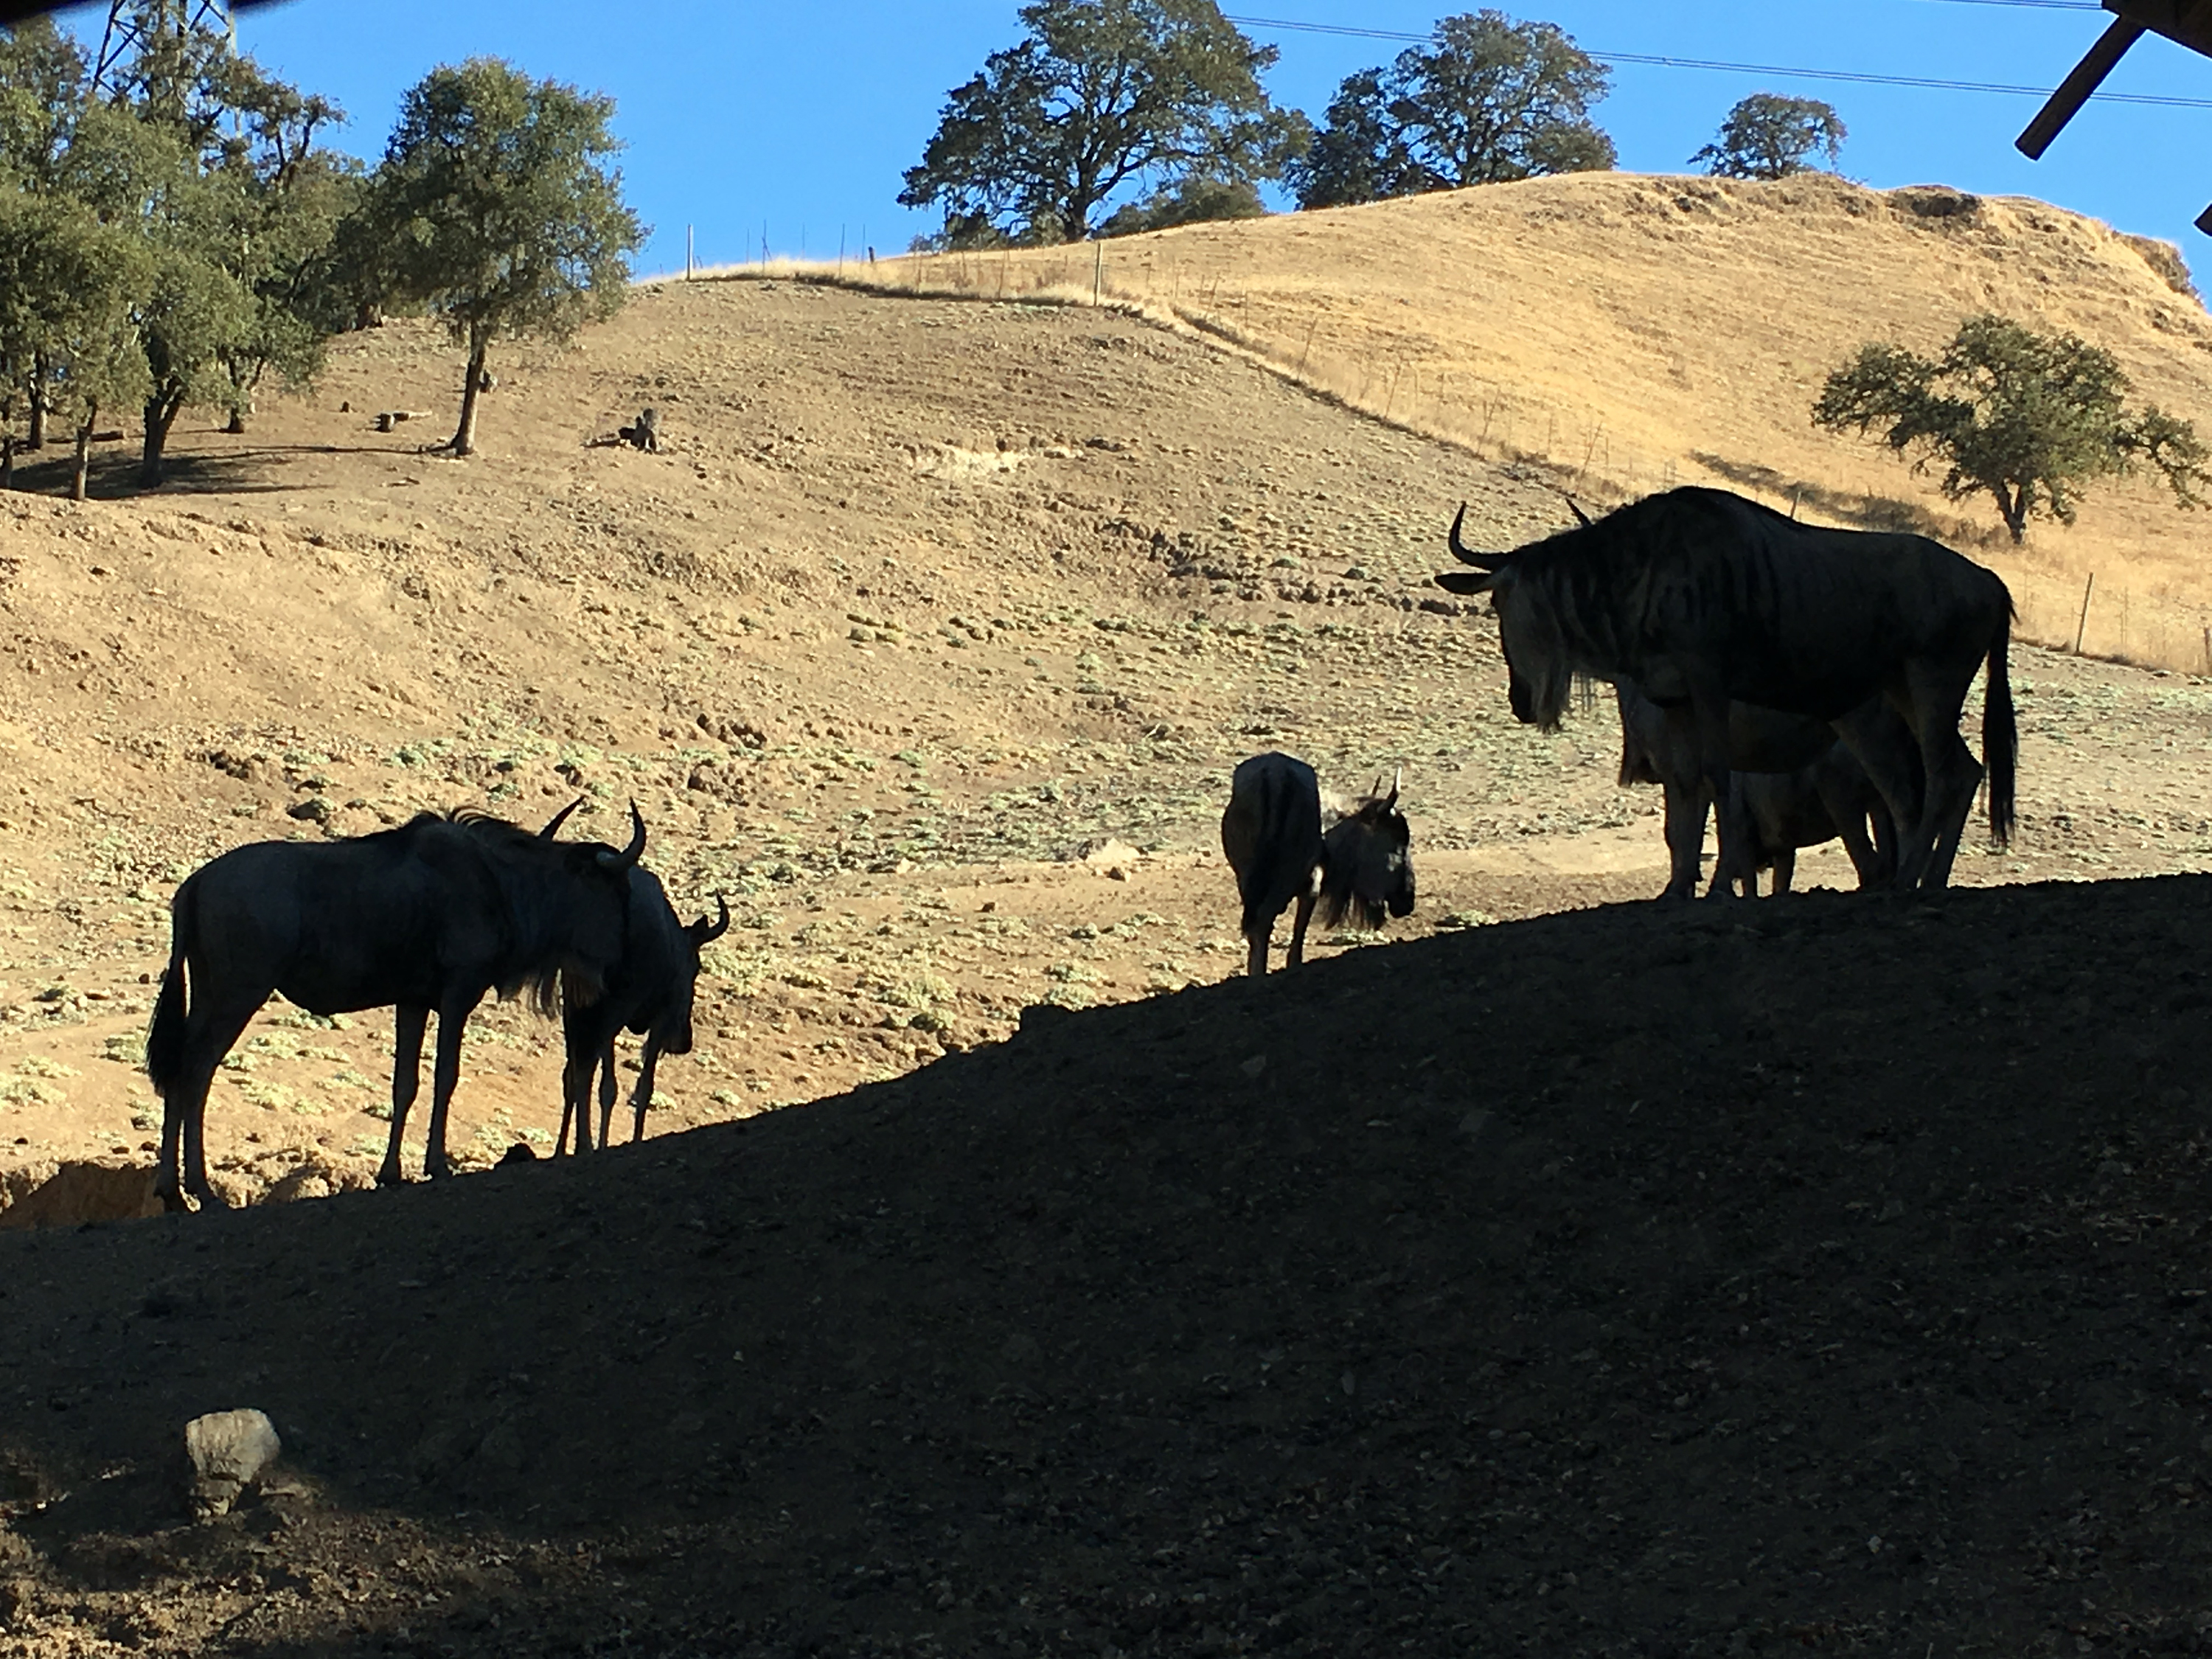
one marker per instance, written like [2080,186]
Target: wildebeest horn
[553,828]
[1464,554]
[1396,778]
[629,855]
[1581,517]
[705,932]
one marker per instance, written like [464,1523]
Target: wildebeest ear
[629,856]
[1468,581]
[553,828]
[704,932]
[1467,555]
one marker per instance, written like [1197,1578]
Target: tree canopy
[2028,418]
[1488,102]
[1767,136]
[497,207]
[1099,97]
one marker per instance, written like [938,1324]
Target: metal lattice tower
[132,25]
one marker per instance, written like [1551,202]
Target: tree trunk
[464,438]
[7,461]
[36,437]
[2014,505]
[83,453]
[161,413]
[237,421]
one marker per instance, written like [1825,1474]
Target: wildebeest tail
[165,1037]
[2000,735]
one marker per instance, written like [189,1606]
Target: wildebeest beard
[1539,671]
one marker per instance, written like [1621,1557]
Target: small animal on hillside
[649,991]
[1276,842]
[1766,743]
[1779,812]
[645,434]
[1704,598]
[429,916]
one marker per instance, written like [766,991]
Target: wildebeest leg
[576,1102]
[1953,776]
[452,1021]
[407,1027]
[640,1098]
[1785,866]
[607,1092]
[1256,950]
[1870,733]
[183,1113]
[1709,706]
[1685,838]
[1299,918]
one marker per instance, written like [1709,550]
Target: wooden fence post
[2082,627]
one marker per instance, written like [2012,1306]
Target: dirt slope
[1824,1276]
[1630,331]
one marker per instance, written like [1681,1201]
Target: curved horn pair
[559,818]
[1466,555]
[704,932]
[610,860]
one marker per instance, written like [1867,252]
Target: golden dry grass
[1627,332]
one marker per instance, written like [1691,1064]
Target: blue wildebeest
[649,991]
[1276,842]
[1789,771]
[431,915]
[1702,599]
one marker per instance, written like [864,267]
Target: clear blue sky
[800,118]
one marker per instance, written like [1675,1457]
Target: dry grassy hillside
[1631,331]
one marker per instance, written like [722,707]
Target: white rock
[229,1450]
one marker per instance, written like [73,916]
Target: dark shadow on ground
[1643,1278]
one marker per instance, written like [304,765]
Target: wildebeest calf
[1776,813]
[1803,775]
[649,991]
[1275,841]
[430,915]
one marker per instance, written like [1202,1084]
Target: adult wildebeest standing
[430,915]
[1799,775]
[1272,834]
[649,990]
[1702,597]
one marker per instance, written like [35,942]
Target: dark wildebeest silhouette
[1276,842]
[1789,770]
[648,990]
[645,434]
[431,915]
[1777,813]
[1702,599]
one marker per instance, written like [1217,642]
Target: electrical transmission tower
[133,26]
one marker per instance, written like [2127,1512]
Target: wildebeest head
[1367,864]
[599,899]
[1539,668]
[675,1017]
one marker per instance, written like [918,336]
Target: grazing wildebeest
[649,990]
[1702,599]
[430,915]
[1799,775]
[1272,834]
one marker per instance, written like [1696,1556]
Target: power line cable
[2158,100]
